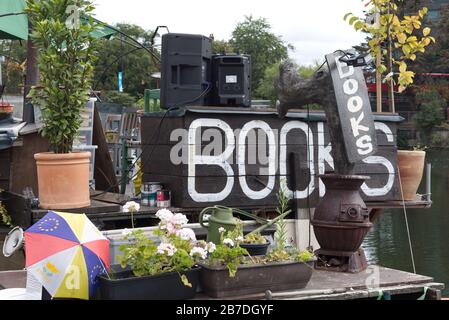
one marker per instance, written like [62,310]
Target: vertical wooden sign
[353,110]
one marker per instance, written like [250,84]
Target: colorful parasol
[66,252]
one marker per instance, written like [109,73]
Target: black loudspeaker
[231,75]
[186,72]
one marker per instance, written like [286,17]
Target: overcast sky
[314,27]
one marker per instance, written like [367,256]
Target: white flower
[221,230]
[211,247]
[131,206]
[164,215]
[126,232]
[239,239]
[166,248]
[228,242]
[186,234]
[179,220]
[197,251]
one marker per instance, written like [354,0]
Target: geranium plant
[62,34]
[179,250]
[228,252]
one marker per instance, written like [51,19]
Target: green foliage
[137,64]
[229,256]
[6,218]
[222,47]
[438,141]
[431,110]
[406,36]
[437,59]
[254,37]
[144,259]
[13,68]
[255,238]
[280,236]
[121,98]
[66,56]
[283,252]
[268,90]
[229,253]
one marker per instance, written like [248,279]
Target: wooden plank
[108,197]
[18,207]
[23,165]
[347,286]
[104,175]
[353,110]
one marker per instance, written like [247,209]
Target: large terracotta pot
[63,180]
[411,168]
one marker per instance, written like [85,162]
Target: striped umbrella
[66,252]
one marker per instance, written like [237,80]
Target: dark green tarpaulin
[15,27]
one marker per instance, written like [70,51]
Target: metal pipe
[429,182]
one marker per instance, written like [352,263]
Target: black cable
[111,64]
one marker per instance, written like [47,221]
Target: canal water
[387,244]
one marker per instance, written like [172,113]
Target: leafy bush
[121,98]
[431,110]
[66,55]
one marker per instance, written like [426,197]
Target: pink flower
[179,220]
[186,234]
[166,248]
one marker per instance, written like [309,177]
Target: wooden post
[390,69]
[378,74]
[32,70]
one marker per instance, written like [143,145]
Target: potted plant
[230,271]
[411,168]
[396,41]
[255,243]
[150,271]
[66,56]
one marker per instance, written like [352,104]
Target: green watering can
[222,217]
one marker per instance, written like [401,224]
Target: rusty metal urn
[342,221]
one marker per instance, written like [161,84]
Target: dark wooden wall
[158,150]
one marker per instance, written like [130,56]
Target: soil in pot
[250,279]
[63,180]
[124,285]
[411,169]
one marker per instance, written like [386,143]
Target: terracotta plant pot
[411,168]
[63,180]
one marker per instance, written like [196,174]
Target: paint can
[164,199]
[149,193]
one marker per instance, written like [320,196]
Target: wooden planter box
[216,283]
[168,286]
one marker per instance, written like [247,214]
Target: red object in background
[372,87]
[6,107]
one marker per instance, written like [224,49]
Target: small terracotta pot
[63,180]
[411,168]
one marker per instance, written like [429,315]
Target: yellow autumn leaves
[402,34]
